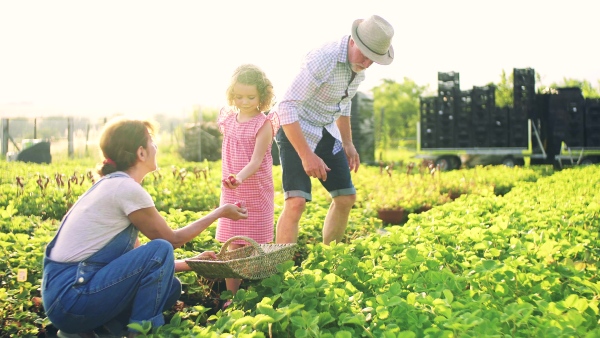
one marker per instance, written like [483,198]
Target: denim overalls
[114,282]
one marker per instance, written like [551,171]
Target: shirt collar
[343,54]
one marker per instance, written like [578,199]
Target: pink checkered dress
[257,190]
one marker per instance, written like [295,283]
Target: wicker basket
[254,261]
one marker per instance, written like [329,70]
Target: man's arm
[303,87]
[343,124]
[313,164]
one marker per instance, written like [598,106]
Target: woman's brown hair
[119,141]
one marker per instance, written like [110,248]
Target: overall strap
[105,177]
[53,241]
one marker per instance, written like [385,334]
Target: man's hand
[352,156]
[314,166]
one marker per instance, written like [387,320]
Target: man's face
[358,62]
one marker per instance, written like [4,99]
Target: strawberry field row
[515,255]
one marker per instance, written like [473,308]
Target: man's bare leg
[336,220]
[289,220]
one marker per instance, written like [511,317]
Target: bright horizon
[142,58]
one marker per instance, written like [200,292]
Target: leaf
[351,319]
[573,301]
[262,319]
[285,266]
[176,320]
[271,282]
[406,334]
[412,254]
[449,296]
[244,321]
[300,333]
[298,321]
[343,334]
[268,310]
[394,301]
[325,318]
[395,288]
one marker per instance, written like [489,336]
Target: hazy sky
[148,57]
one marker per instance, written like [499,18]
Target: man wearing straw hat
[315,140]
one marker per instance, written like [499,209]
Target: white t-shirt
[98,217]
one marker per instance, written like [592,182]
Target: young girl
[247,163]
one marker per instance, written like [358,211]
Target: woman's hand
[233,212]
[181,265]
[206,254]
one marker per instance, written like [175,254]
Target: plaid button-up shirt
[321,93]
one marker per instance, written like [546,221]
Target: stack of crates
[566,116]
[483,106]
[448,97]
[499,127]
[463,120]
[592,123]
[428,108]
[524,106]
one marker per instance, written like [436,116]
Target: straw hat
[373,36]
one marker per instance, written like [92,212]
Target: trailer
[466,128]
[454,158]
[577,156]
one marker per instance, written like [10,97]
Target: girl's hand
[231,182]
[233,212]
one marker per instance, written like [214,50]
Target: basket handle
[247,239]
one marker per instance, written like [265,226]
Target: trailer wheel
[587,161]
[456,162]
[509,161]
[446,163]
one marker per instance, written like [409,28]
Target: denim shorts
[296,183]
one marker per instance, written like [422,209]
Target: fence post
[200,118]
[70,135]
[87,137]
[4,137]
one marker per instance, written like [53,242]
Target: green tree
[586,87]
[504,90]
[396,108]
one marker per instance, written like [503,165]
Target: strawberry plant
[515,255]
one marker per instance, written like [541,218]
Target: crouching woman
[96,273]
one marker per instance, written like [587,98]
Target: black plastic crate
[592,140]
[572,92]
[518,142]
[484,94]
[574,139]
[448,89]
[449,77]
[523,78]
[592,111]
[498,140]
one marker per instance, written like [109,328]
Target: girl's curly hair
[249,74]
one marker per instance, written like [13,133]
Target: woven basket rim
[255,252]
[212,261]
